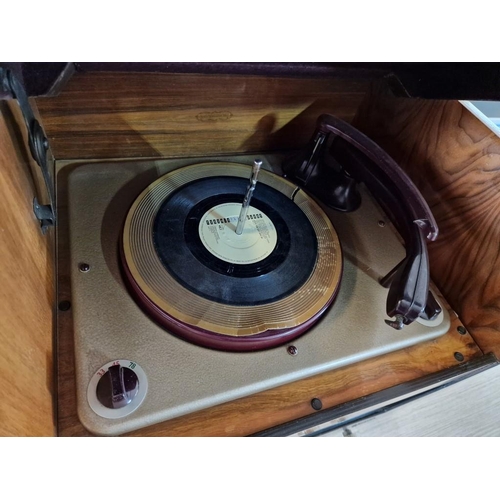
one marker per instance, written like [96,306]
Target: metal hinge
[38,144]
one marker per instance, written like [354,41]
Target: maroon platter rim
[212,340]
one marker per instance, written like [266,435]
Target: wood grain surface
[472,406]
[455,161]
[26,292]
[261,411]
[119,115]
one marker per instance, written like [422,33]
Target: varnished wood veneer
[26,292]
[455,161]
[119,115]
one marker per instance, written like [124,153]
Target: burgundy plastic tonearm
[354,158]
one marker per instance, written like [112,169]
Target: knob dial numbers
[117,389]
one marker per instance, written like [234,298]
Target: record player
[198,281]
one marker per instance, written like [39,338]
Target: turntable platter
[198,279]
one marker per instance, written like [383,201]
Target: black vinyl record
[177,242]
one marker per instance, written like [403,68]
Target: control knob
[117,387]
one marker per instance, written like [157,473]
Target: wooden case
[450,155]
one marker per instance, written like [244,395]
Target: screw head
[461,330]
[64,305]
[316,403]
[84,268]
[381,223]
[292,350]
[459,356]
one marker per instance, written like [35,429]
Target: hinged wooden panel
[120,115]
[26,292]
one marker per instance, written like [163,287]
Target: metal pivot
[248,196]
[38,145]
[397,323]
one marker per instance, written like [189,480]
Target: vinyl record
[190,271]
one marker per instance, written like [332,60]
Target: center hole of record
[217,231]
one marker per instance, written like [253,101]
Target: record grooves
[199,280]
[178,244]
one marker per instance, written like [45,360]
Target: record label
[217,231]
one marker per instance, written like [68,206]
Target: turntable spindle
[248,196]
